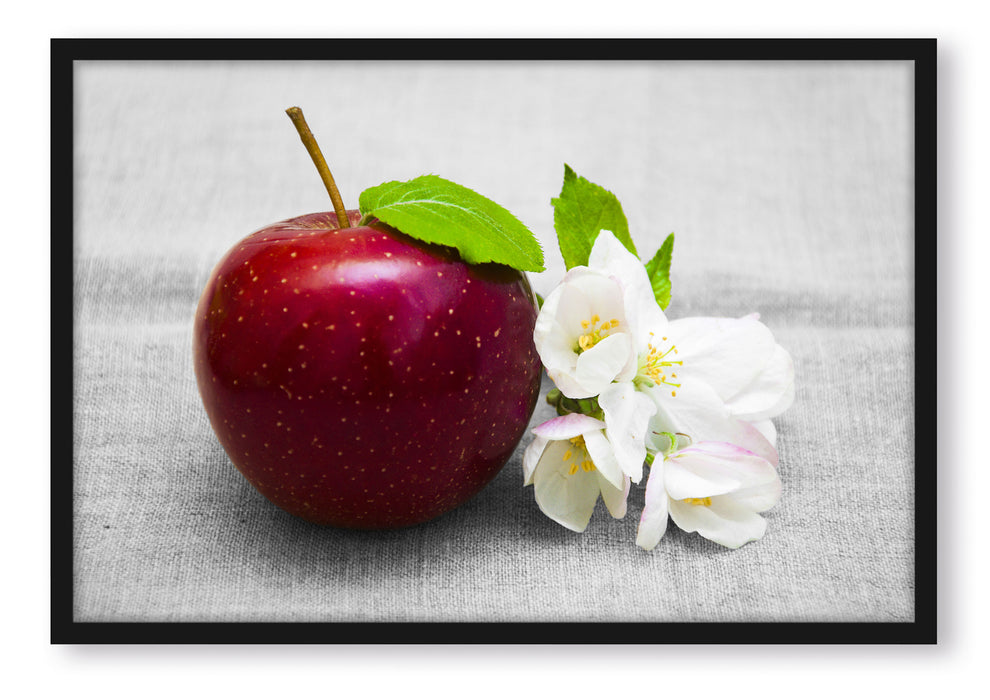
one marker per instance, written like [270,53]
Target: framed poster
[799,180]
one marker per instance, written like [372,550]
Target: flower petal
[653,521]
[714,468]
[532,456]
[612,258]
[615,499]
[761,497]
[724,521]
[609,256]
[603,455]
[597,367]
[725,353]
[567,426]
[566,499]
[698,412]
[693,408]
[749,437]
[566,316]
[627,415]
[767,430]
[770,393]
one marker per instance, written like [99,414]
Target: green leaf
[581,211]
[435,210]
[659,271]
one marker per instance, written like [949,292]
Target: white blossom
[570,463]
[713,488]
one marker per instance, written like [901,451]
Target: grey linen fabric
[789,186]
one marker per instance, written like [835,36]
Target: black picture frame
[66,51]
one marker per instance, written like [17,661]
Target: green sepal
[673,442]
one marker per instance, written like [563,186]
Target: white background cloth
[788,185]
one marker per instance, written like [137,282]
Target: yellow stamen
[583,461]
[597,333]
[656,364]
[698,501]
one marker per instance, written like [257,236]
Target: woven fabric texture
[789,186]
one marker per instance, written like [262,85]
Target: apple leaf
[435,210]
[659,271]
[582,210]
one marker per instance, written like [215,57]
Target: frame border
[65,51]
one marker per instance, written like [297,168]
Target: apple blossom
[631,386]
[583,336]
[705,375]
[713,488]
[570,463]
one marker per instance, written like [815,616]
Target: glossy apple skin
[361,379]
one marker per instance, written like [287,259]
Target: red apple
[360,378]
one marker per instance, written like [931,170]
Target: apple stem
[309,141]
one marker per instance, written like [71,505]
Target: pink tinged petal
[615,499]
[759,498]
[653,521]
[770,393]
[568,499]
[627,415]
[726,353]
[568,426]
[698,412]
[726,522]
[749,437]
[602,454]
[767,430]
[714,468]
